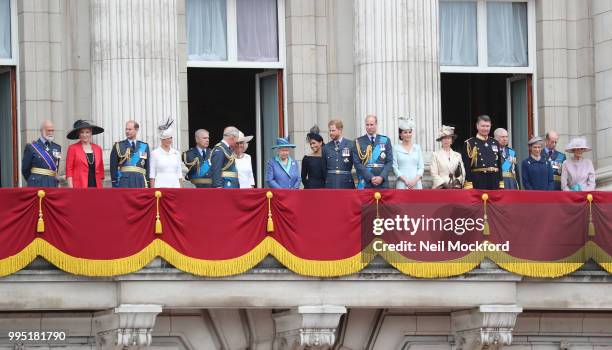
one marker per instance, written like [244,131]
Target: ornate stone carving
[307,327]
[488,327]
[125,327]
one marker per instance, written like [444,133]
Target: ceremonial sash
[135,157]
[204,167]
[45,156]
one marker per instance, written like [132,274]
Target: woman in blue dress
[408,163]
[282,170]
[536,171]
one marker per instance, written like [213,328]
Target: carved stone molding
[307,327]
[126,326]
[488,327]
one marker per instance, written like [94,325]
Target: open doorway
[249,99]
[9,174]
[506,98]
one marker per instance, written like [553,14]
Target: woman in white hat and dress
[166,169]
[243,161]
[577,172]
[447,169]
[408,164]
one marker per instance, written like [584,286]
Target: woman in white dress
[166,165]
[447,168]
[243,162]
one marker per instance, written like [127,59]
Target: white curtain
[507,34]
[458,36]
[206,30]
[257,30]
[5,28]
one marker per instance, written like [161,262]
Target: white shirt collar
[227,144]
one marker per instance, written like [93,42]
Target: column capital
[487,327]
[307,327]
[125,327]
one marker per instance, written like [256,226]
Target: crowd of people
[485,162]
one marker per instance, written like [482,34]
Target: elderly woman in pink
[577,172]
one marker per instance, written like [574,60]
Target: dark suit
[198,165]
[135,164]
[338,163]
[33,164]
[366,166]
[223,167]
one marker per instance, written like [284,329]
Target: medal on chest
[345,154]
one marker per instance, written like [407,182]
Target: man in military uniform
[373,157]
[554,157]
[337,158]
[509,162]
[197,161]
[41,158]
[482,159]
[223,161]
[129,160]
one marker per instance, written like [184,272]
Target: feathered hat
[165,129]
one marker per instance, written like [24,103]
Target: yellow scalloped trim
[315,268]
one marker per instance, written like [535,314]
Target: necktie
[372,139]
[133,145]
[47,145]
[203,153]
[550,153]
[337,144]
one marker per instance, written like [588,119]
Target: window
[487,36]
[231,32]
[5,29]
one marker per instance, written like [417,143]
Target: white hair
[498,131]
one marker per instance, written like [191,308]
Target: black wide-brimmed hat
[83,124]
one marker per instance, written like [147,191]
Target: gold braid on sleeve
[472,153]
[190,165]
[125,156]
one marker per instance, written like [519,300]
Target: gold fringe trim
[314,268]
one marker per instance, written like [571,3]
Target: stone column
[307,327]
[134,66]
[397,72]
[488,327]
[602,38]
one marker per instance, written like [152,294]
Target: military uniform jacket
[483,163]
[510,169]
[338,163]
[373,159]
[42,156]
[198,166]
[223,167]
[556,162]
[122,155]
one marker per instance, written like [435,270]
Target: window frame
[232,43]
[483,49]
[14,42]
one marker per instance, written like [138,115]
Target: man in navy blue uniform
[129,160]
[41,158]
[223,161]
[373,157]
[482,159]
[554,158]
[197,161]
[337,157]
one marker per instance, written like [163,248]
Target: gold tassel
[486,231]
[377,196]
[591,225]
[40,226]
[270,227]
[158,224]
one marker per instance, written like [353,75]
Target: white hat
[165,131]
[406,123]
[242,138]
[577,143]
[446,131]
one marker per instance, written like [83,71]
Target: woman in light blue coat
[408,163]
[282,171]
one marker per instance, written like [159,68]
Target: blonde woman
[447,169]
